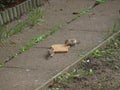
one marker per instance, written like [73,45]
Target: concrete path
[30,69]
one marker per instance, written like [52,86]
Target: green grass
[1,65]
[85,11]
[34,17]
[57,88]
[101,1]
[116,26]
[89,72]
[99,52]
[18,28]
[64,79]
[2,30]
[35,40]
[105,55]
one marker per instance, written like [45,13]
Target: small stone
[27,70]
[88,61]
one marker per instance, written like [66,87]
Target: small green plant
[30,43]
[119,24]
[85,11]
[73,74]
[35,40]
[82,64]
[1,33]
[108,59]
[1,65]
[101,1]
[89,72]
[54,88]
[115,43]
[116,67]
[35,16]
[114,28]
[64,79]
[98,53]
[56,28]
[18,28]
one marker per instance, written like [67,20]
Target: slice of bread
[60,48]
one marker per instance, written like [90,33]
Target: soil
[12,4]
[106,70]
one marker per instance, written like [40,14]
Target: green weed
[30,43]
[83,12]
[35,16]
[2,30]
[98,53]
[82,63]
[35,40]
[1,65]
[108,59]
[18,28]
[56,28]
[64,79]
[54,88]
[101,1]
[89,72]
[116,67]
[114,28]
[116,43]
[73,74]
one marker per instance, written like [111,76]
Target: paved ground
[30,69]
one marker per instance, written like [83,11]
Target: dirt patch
[8,4]
[100,71]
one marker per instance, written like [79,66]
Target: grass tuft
[34,17]
[101,1]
